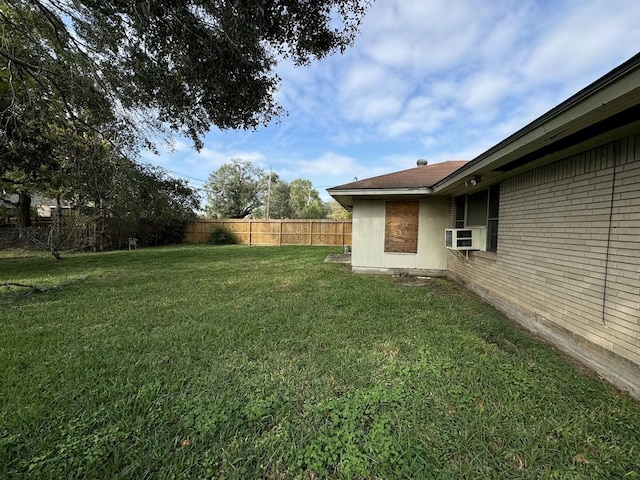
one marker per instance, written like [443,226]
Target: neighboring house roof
[36,199]
[413,181]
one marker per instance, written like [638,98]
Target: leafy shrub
[221,236]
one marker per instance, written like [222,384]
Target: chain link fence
[68,235]
[77,233]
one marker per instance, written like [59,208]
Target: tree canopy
[305,200]
[338,212]
[278,199]
[235,190]
[122,198]
[193,64]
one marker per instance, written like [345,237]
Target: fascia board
[380,192]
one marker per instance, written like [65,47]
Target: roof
[417,177]
[415,182]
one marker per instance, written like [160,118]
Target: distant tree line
[239,189]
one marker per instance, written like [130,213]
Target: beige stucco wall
[568,259]
[368,239]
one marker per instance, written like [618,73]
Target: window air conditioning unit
[466,238]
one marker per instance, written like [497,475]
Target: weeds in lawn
[245,362]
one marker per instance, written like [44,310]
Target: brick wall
[568,259]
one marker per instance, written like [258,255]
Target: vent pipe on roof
[422,162]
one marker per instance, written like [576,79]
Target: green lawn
[249,362]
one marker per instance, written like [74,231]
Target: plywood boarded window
[401,227]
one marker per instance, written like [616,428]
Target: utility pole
[268,193]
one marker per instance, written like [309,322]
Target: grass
[248,362]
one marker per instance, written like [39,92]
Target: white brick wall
[553,254]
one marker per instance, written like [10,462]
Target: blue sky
[438,79]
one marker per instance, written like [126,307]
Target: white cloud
[371,93]
[484,90]
[444,79]
[328,164]
[431,36]
[502,38]
[583,41]
[213,158]
[422,114]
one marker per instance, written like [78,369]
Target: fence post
[249,232]
[280,236]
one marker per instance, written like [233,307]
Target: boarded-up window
[401,227]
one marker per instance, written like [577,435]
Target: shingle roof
[417,177]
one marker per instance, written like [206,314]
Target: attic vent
[422,162]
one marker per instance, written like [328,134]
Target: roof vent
[422,162]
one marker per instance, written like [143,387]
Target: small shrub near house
[221,236]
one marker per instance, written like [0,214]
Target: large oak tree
[236,189]
[186,64]
[127,70]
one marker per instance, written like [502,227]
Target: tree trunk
[58,212]
[23,210]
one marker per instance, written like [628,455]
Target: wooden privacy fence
[275,232]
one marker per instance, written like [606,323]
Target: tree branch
[36,289]
[22,63]
[33,288]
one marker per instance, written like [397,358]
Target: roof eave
[381,191]
[346,197]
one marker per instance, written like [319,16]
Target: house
[43,208]
[397,224]
[545,225]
